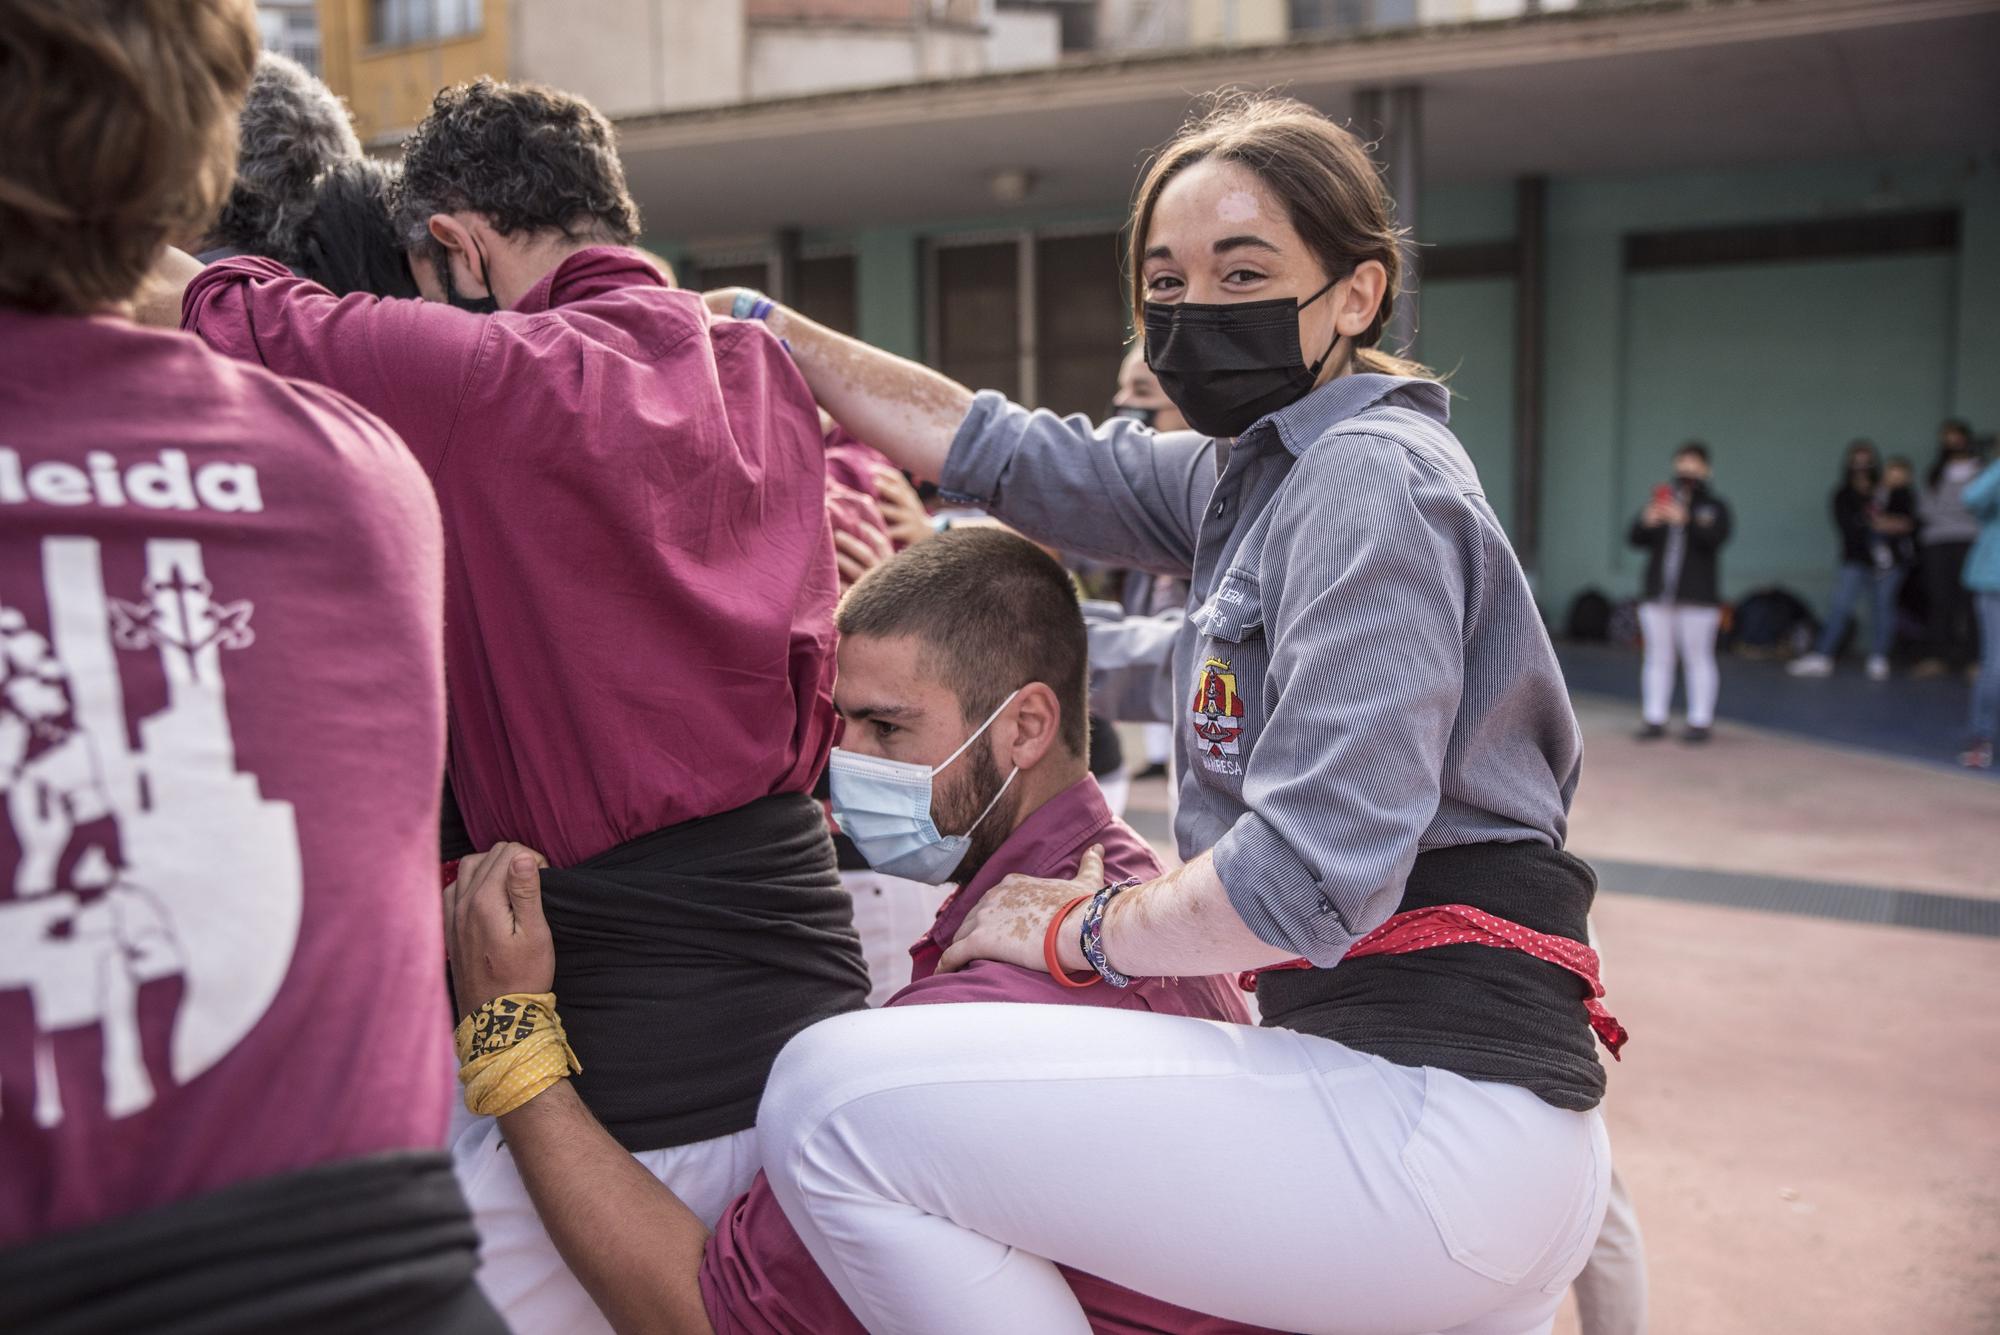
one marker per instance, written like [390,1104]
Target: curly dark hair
[529,158]
[348,242]
[293,130]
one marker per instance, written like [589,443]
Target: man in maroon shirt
[931,644]
[222,1039]
[639,583]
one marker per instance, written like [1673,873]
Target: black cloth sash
[380,1245]
[1477,1011]
[687,957]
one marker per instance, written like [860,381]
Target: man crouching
[962,685]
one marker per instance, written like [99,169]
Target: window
[978,315]
[1080,322]
[825,292]
[823,289]
[291,30]
[707,276]
[1040,318]
[403,22]
[1350,16]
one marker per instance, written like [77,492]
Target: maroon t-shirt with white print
[221,735]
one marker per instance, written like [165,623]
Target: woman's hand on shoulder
[1011,920]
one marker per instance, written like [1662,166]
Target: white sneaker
[1878,668]
[1810,665]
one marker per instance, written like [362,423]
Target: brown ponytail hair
[1321,172]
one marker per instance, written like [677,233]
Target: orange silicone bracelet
[1052,954]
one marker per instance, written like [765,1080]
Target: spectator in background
[1982,575]
[1682,528]
[1946,538]
[1874,512]
[1145,594]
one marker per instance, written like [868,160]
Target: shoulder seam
[465,392]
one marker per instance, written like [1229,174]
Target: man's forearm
[907,411]
[629,1240]
[159,301]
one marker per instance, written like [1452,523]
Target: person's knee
[812,1075]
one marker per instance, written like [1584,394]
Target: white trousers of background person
[521,1272]
[1611,1291]
[890,912]
[1117,790]
[1689,631]
[931,1156]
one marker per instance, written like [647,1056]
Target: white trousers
[889,913]
[519,1268]
[1117,790]
[1675,628]
[1611,1291]
[931,1156]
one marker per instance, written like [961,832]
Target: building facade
[1773,225]
[291,28]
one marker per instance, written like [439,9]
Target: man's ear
[1037,726]
[461,253]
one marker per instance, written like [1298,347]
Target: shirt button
[1218,508]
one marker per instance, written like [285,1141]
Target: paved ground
[1917,719]
[1809,1114]
[1775,804]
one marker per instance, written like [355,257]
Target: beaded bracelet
[1093,933]
[751,305]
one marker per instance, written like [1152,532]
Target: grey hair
[293,129]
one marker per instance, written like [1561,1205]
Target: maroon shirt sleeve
[408,362]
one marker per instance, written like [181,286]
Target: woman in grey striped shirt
[1379,756]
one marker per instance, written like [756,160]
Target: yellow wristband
[510,1050]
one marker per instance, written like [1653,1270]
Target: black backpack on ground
[1774,623]
[1590,617]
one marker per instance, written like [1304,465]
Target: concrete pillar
[1975,387]
[889,295]
[1530,250]
[783,266]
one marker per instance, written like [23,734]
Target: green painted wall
[1467,336]
[1976,374]
[1777,368]
[888,284]
[1776,365]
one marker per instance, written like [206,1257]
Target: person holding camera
[1683,529]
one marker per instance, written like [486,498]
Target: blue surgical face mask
[884,806]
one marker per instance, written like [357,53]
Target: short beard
[956,807]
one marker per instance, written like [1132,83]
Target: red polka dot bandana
[1463,925]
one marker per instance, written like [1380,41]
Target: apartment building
[1770,224]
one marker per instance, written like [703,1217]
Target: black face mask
[1692,481]
[1226,365]
[1145,417]
[486,305]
